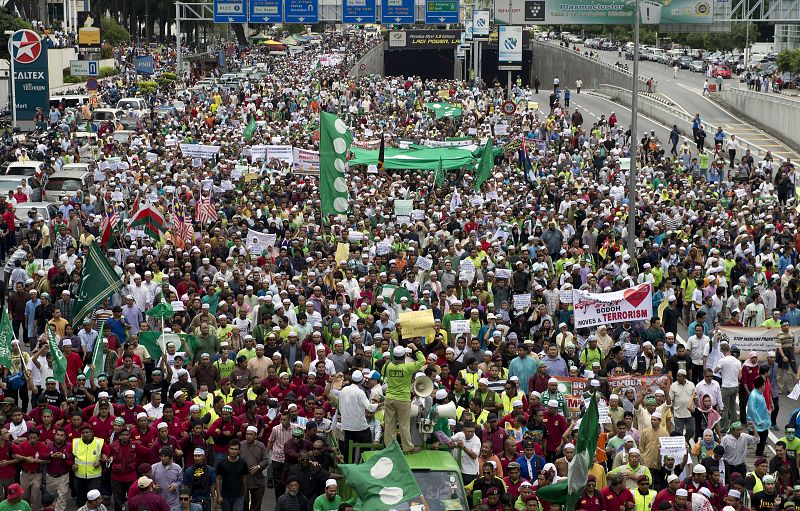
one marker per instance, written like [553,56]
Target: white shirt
[696,347]
[352,404]
[469,466]
[154,413]
[729,368]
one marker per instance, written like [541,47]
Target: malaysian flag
[205,210]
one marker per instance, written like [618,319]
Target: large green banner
[602,12]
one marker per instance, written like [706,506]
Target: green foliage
[106,51]
[112,32]
[105,72]
[789,60]
[9,22]
[147,86]
[294,28]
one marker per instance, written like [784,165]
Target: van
[113,115]
[136,104]
[66,182]
[69,101]
[24,168]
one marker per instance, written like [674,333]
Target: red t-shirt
[621,501]
[38,451]
[7,453]
[101,428]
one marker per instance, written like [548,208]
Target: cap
[552,403]
[705,491]
[144,482]
[93,495]
[767,479]
[330,482]
[199,451]
[736,494]
[673,477]
[14,491]
[681,493]
[699,469]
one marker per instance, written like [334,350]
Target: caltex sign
[31,85]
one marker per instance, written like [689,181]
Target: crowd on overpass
[282,355]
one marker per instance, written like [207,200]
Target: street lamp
[13,104]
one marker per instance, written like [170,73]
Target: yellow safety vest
[759,486]
[86,455]
[507,401]
[470,378]
[227,398]
[644,502]
[205,406]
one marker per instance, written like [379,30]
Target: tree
[789,60]
[9,22]
[112,32]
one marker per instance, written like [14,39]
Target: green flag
[334,141]
[250,130]
[439,174]
[486,164]
[156,343]
[569,490]
[382,482]
[98,282]
[161,311]
[6,336]
[98,357]
[59,361]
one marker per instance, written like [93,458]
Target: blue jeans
[229,504]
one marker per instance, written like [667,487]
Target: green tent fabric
[444,110]
[416,158]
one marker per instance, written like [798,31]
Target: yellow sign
[342,252]
[89,36]
[417,324]
[250,176]
[444,94]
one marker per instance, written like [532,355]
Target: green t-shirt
[398,377]
[792,447]
[322,503]
[16,506]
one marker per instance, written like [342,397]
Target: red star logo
[27,46]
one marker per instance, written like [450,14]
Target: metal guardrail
[772,97]
[662,105]
[627,72]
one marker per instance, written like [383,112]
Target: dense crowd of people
[297,356]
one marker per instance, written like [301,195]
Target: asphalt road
[686,92]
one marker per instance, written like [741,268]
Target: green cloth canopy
[417,158]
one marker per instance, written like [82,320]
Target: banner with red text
[592,309]
[648,384]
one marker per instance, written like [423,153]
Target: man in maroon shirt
[590,500]
[103,423]
[129,410]
[555,424]
[61,461]
[146,500]
[123,464]
[495,434]
[616,496]
[8,471]
[283,388]
[32,455]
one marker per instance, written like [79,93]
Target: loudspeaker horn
[423,386]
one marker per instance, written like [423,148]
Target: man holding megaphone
[397,408]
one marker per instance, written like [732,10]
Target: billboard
[602,12]
[144,65]
[480,22]
[30,80]
[509,44]
[88,29]
[424,39]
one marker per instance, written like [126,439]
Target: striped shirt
[278,438]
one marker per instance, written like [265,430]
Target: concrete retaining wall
[774,113]
[369,64]
[551,60]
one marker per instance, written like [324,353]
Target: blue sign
[301,11]
[398,11]
[359,11]
[266,11]
[441,11]
[144,65]
[230,11]
[30,80]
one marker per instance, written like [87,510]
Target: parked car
[24,168]
[722,71]
[66,183]
[685,61]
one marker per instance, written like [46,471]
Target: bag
[16,381]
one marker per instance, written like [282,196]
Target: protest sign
[342,252]
[592,309]
[466,270]
[305,161]
[383,248]
[502,273]
[201,151]
[272,152]
[403,207]
[459,326]
[674,445]
[572,389]
[417,324]
[760,340]
[565,295]
[647,384]
[424,263]
[257,242]
[522,301]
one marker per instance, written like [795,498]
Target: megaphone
[446,411]
[423,386]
